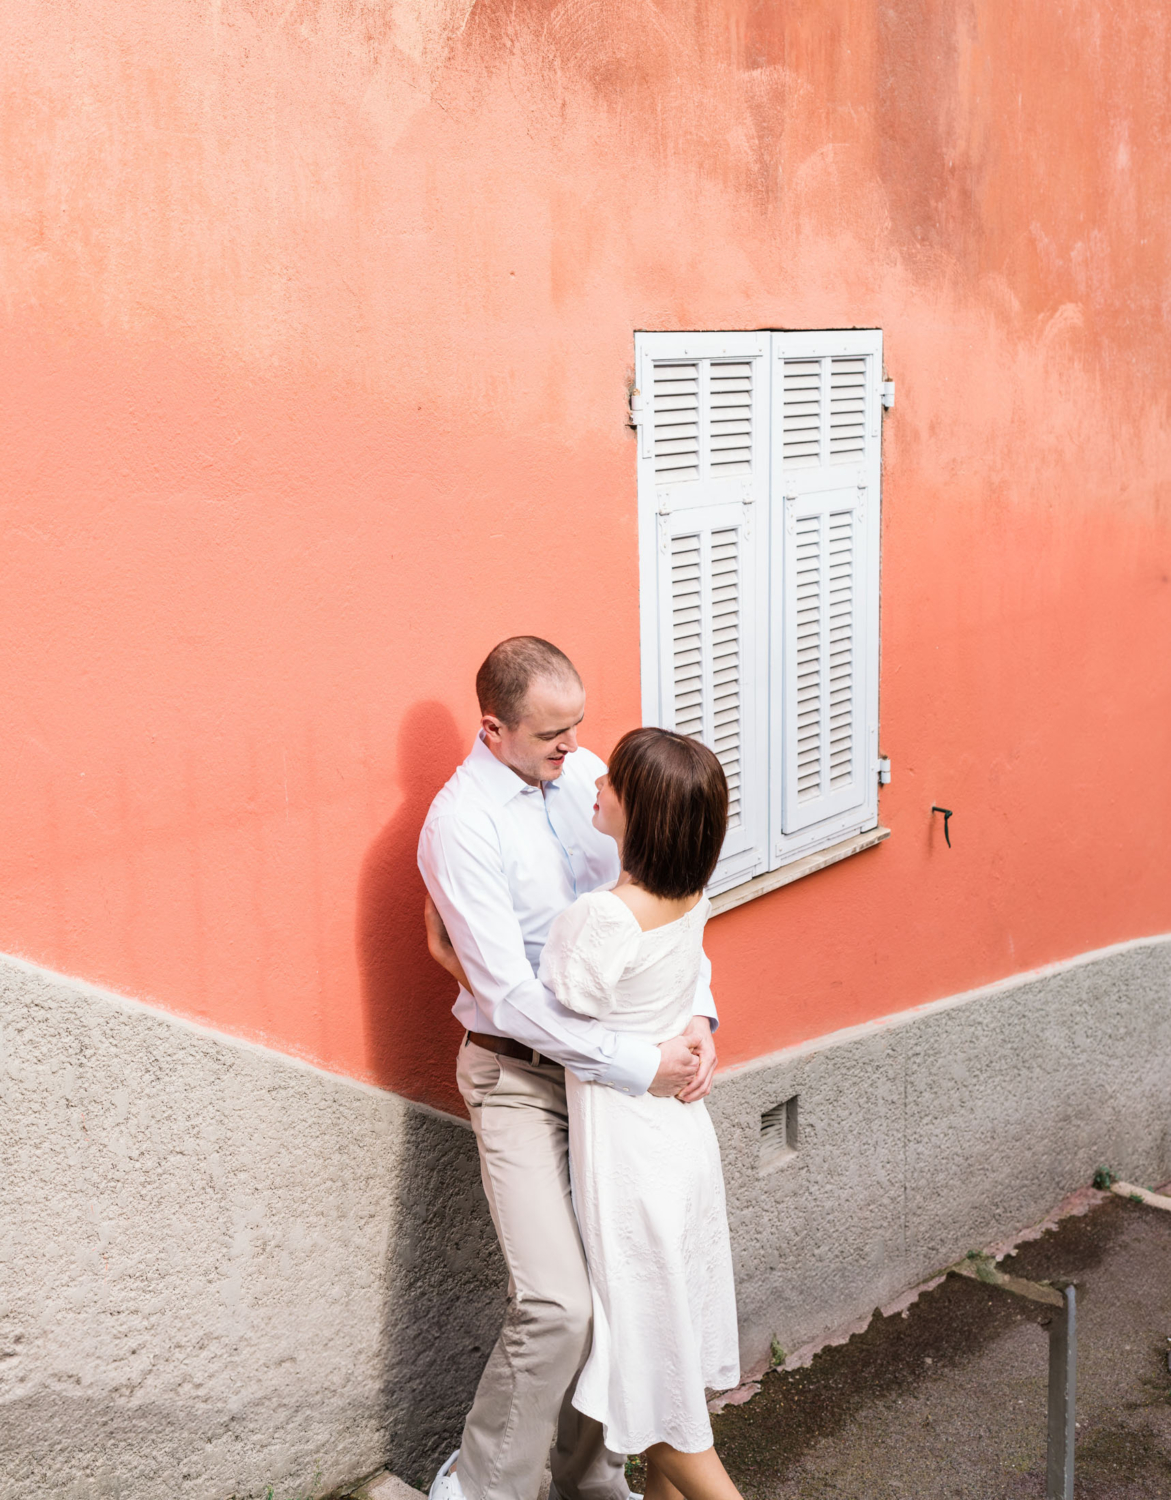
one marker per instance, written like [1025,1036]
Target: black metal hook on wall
[947,814]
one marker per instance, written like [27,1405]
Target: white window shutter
[703,489]
[824,668]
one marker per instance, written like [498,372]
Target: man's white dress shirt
[501,859]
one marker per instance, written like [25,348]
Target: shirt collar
[500,782]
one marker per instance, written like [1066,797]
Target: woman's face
[608,815]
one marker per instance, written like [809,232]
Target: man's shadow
[445,1279]
[411,1035]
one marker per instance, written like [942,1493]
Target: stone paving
[946,1399]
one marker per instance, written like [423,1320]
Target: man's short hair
[511,668]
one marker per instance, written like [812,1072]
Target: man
[507,845]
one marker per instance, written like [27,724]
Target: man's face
[536,747]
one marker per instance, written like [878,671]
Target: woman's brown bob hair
[675,798]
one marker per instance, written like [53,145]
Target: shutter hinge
[636,417]
[888,394]
[884,770]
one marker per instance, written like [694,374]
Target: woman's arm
[439,945]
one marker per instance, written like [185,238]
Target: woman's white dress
[647,1188]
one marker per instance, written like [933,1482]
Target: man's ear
[491,727]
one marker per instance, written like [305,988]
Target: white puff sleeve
[590,945]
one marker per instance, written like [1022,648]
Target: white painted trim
[935,1007]
[773,880]
[127,1003]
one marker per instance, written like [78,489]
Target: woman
[647,1185]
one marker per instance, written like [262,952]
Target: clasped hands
[686,1063]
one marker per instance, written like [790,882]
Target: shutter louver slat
[841,649]
[729,417]
[687,634]
[725,741]
[847,410]
[716,395]
[825,740]
[676,416]
[706,685]
[801,419]
[809,664]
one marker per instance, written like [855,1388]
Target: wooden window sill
[772,880]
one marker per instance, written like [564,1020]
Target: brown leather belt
[504,1046]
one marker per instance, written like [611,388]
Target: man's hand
[678,1066]
[698,1036]
[439,944]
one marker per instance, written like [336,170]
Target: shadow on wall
[411,1036]
[446,1285]
[445,1278]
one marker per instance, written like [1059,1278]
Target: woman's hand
[439,944]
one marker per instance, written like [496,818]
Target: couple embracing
[566,897]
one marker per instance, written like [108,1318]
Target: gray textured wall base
[224,1270]
[940,1130]
[221,1269]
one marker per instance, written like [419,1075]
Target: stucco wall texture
[222,1270]
[317,324]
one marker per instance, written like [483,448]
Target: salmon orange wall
[317,322]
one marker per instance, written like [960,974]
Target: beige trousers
[522,1413]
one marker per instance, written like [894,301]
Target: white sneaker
[446,1485]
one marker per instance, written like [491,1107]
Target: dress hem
[642,1443]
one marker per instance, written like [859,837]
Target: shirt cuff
[707,1008]
[633,1066]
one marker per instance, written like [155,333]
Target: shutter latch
[637,414]
[888,394]
[884,770]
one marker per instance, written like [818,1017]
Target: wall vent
[778,1134]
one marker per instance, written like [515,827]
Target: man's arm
[464,875]
[699,1034]
[705,1004]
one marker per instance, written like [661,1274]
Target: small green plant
[636,1473]
[984,1266]
[270,1490]
[1103,1178]
[777,1353]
